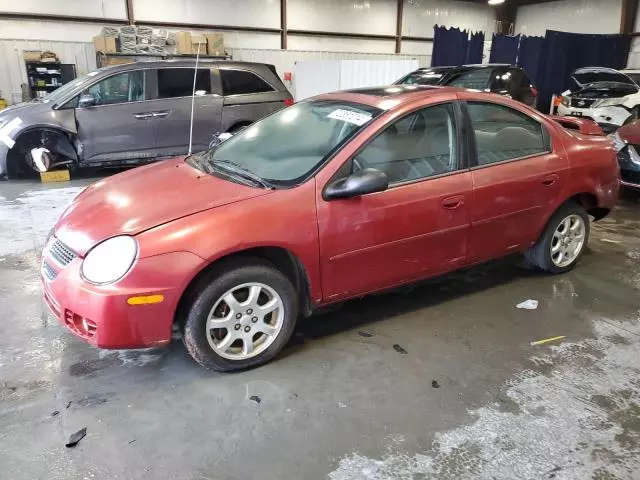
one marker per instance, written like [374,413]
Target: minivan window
[286,147]
[121,88]
[241,82]
[178,82]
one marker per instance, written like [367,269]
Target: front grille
[582,102]
[61,253]
[49,271]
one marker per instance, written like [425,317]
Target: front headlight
[566,101]
[110,260]
[618,142]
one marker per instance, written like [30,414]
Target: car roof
[379,96]
[469,67]
[180,63]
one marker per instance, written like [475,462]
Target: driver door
[416,228]
[120,125]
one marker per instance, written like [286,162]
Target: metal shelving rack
[35,78]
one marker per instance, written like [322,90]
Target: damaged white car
[609,97]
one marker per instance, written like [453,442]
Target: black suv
[502,79]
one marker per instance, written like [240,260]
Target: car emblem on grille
[581,103]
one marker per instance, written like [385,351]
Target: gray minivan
[136,113]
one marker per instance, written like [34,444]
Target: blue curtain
[504,49]
[449,47]
[530,56]
[565,52]
[475,48]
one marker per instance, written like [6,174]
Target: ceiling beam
[283,24]
[399,13]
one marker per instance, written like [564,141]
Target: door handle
[550,180]
[452,203]
[142,116]
[161,114]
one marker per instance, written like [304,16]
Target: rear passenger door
[170,109]
[247,97]
[517,176]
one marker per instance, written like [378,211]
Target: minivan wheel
[241,316]
[563,241]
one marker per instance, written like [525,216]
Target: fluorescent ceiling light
[495,2]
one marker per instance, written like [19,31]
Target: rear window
[473,79]
[422,78]
[242,82]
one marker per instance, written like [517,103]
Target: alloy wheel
[568,241]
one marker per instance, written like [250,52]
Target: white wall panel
[346,16]
[77,8]
[285,60]
[300,42]
[243,13]
[634,54]
[576,16]
[55,31]
[419,16]
[417,48]
[13,73]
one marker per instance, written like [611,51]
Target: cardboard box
[183,43]
[199,40]
[32,55]
[215,44]
[108,61]
[55,176]
[105,44]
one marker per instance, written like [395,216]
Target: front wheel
[563,241]
[241,316]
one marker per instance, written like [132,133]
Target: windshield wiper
[241,171]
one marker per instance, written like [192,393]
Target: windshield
[473,79]
[585,78]
[424,77]
[61,92]
[286,147]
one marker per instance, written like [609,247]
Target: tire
[540,255]
[206,340]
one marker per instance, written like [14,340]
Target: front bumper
[101,316]
[609,118]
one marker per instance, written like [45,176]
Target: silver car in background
[136,113]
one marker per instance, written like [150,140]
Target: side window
[240,82]
[122,88]
[503,133]
[178,82]
[419,145]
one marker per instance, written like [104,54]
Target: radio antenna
[193,100]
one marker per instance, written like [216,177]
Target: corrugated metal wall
[13,73]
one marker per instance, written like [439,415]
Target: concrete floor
[341,402]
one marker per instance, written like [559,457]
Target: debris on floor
[54,413]
[342,405]
[399,349]
[435,384]
[255,398]
[528,304]
[68,404]
[547,340]
[365,334]
[76,437]
[608,240]
[130,442]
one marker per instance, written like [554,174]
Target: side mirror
[86,100]
[368,180]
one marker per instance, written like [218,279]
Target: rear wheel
[563,241]
[241,316]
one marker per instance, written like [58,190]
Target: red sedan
[335,197]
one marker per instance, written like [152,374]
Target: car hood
[24,108]
[143,198]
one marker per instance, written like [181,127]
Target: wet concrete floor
[463,395]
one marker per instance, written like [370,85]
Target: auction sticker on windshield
[356,118]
